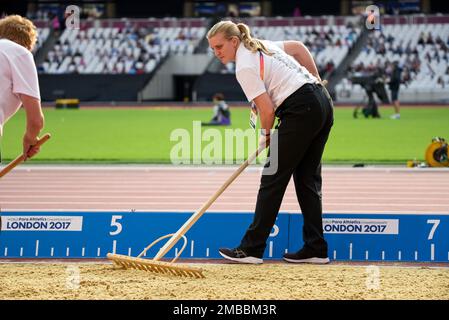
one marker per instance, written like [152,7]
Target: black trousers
[305,119]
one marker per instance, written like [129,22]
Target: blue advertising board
[361,237]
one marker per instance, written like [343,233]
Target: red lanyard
[262,65]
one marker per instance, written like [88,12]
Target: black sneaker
[305,256]
[238,255]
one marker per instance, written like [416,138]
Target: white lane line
[350,251]
[36,253]
[241,194]
[432,252]
[429,201]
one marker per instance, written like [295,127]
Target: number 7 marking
[434,228]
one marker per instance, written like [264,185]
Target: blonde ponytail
[241,31]
[249,42]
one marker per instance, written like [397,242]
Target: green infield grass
[143,135]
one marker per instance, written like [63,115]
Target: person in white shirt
[282,80]
[18,79]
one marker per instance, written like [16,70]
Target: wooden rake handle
[20,158]
[189,223]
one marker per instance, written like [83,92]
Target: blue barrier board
[362,237]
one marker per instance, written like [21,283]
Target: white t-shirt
[18,74]
[283,75]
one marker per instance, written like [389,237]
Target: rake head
[155,266]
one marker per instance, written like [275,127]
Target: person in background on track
[18,79]
[282,80]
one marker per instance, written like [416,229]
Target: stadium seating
[138,46]
[328,44]
[132,49]
[421,50]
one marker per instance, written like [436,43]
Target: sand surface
[223,281]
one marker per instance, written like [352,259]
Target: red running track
[168,188]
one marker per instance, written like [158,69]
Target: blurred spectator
[395,81]
[55,24]
[441,82]
[222,115]
[297,12]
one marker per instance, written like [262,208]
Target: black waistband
[289,100]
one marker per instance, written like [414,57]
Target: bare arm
[265,108]
[301,54]
[35,123]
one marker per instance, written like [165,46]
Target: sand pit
[223,281]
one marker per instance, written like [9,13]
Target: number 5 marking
[434,228]
[118,225]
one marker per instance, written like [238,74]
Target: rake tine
[167,271]
[141,266]
[154,266]
[185,273]
[158,269]
[180,272]
[175,271]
